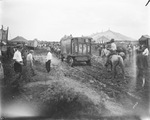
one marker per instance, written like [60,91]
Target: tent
[19,39]
[108,35]
[145,40]
[102,39]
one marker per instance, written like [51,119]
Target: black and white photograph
[74,59]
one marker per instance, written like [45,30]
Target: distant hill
[19,39]
[108,35]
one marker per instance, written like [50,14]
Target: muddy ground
[79,92]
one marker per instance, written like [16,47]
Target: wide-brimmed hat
[112,40]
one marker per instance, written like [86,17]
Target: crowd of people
[138,53]
[130,51]
[142,62]
[25,58]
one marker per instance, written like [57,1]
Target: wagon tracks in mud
[97,76]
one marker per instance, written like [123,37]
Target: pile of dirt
[65,98]
[64,102]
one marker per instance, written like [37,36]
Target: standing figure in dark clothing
[145,54]
[18,65]
[18,60]
[48,61]
[112,50]
[30,72]
[142,63]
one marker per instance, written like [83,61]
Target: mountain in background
[108,35]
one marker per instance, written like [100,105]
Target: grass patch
[61,102]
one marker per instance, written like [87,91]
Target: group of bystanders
[28,62]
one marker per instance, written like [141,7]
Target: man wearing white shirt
[48,61]
[113,46]
[18,60]
[145,54]
[112,49]
[17,65]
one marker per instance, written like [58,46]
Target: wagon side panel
[66,47]
[82,49]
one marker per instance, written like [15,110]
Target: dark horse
[115,60]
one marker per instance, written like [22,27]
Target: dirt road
[78,92]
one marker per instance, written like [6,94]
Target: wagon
[145,40]
[76,49]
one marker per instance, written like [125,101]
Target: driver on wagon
[112,49]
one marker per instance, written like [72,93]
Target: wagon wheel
[70,61]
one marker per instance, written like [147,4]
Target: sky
[50,20]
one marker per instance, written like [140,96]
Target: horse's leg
[111,65]
[130,57]
[122,68]
[114,70]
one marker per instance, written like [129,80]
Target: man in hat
[48,60]
[30,65]
[113,46]
[18,60]
[145,54]
[112,49]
